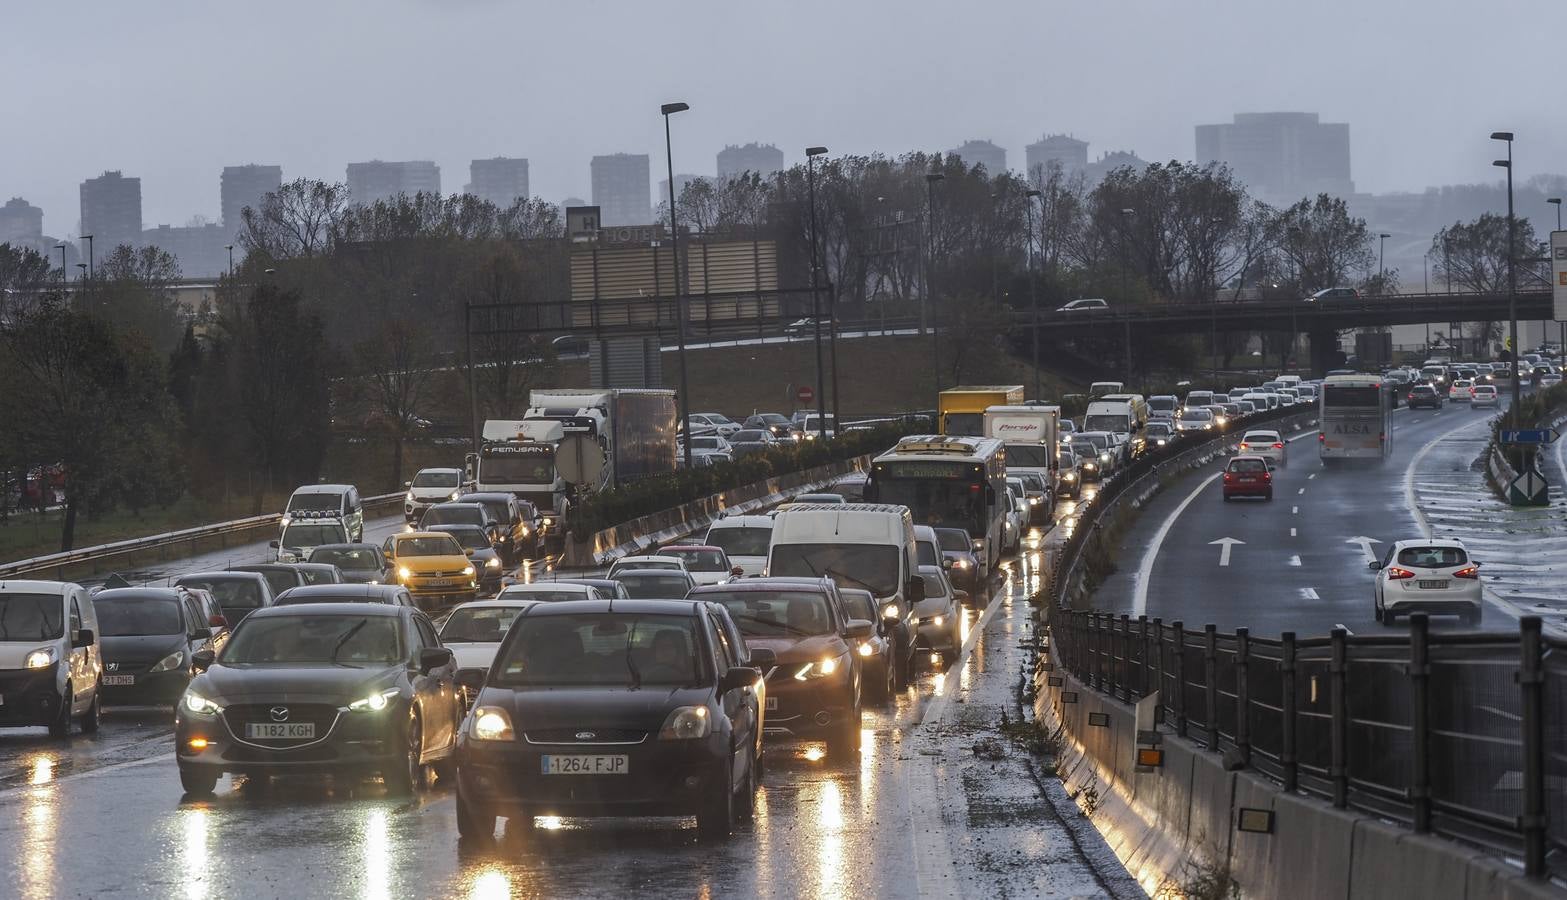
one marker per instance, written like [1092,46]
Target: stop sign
[805,395]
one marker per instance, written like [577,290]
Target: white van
[1101,388]
[744,539]
[1288,380]
[867,546]
[319,514]
[50,663]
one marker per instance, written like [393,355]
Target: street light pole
[667,110]
[1562,326]
[1033,290]
[61,248]
[230,249]
[1512,279]
[88,238]
[1381,259]
[930,270]
[816,308]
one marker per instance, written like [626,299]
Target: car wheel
[843,741]
[715,819]
[1268,495]
[889,688]
[94,714]
[902,667]
[745,801]
[198,782]
[474,824]
[407,778]
[445,769]
[61,725]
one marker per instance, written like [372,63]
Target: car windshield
[312,535]
[543,595]
[1035,456]
[749,435]
[29,617]
[600,649]
[952,539]
[871,567]
[1158,429]
[935,585]
[701,560]
[859,605]
[745,540]
[279,580]
[126,616]
[438,479]
[777,613]
[704,443]
[445,545]
[315,640]
[1432,557]
[655,585]
[479,624]
[1099,441]
[1248,465]
[1161,404]
[346,558]
[1085,448]
[1261,437]
[467,514]
[231,593]
[1196,415]
[645,565]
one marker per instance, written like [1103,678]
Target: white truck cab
[319,514]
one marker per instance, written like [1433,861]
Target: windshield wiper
[866,584]
[345,638]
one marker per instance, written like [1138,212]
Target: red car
[1248,476]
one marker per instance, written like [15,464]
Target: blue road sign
[1529,436]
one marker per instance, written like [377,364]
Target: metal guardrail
[56,561]
[1456,734]
[1451,733]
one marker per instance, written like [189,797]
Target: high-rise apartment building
[1281,157]
[200,249]
[242,186]
[21,223]
[763,159]
[378,180]
[1064,150]
[1096,171]
[982,153]
[621,183]
[111,211]
[501,180]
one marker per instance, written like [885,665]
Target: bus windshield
[1353,395]
[938,502]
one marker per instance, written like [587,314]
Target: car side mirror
[202,660]
[914,589]
[858,629]
[218,622]
[408,484]
[272,544]
[961,596]
[735,678]
[433,658]
[762,658]
[84,638]
[473,679]
[1374,566]
[737,571]
[202,634]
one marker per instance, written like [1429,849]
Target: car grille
[240,714]
[571,736]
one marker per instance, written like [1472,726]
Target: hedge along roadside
[608,509]
[1542,409]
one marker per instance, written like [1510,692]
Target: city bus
[948,482]
[1356,416]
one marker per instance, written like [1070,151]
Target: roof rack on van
[936,443]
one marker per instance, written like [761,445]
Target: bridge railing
[1452,733]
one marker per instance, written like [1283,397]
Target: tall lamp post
[1033,291]
[816,307]
[88,239]
[1381,259]
[669,109]
[1512,274]
[930,270]
[230,249]
[1562,326]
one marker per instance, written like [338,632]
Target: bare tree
[302,218]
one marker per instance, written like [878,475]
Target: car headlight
[1033,501]
[38,659]
[1069,476]
[491,723]
[1089,466]
[1159,442]
[286,519]
[979,544]
[1104,457]
[890,612]
[525,531]
[199,705]
[688,723]
[492,563]
[375,702]
[409,497]
[822,668]
[938,620]
[961,564]
[866,649]
[172,661]
[467,570]
[404,573]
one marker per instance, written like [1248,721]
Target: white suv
[1431,576]
[1267,444]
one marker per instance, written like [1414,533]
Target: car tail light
[1229,476]
[1394,573]
[1245,446]
[1267,477]
[1322,438]
[1468,572]
[1278,446]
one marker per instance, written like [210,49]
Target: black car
[359,563]
[346,689]
[395,594]
[320,573]
[779,425]
[612,708]
[655,584]
[1424,395]
[481,551]
[148,637]
[461,513]
[959,559]
[280,576]
[519,523]
[238,593]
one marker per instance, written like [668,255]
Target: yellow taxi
[433,567]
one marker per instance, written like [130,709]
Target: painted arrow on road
[1365,546]
[1225,543]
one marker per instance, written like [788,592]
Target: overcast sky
[173,90]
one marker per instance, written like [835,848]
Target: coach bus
[1356,417]
[948,482]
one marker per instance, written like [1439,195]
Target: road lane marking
[1309,594]
[1292,532]
[1365,546]
[1294,510]
[1301,491]
[1145,570]
[1225,543]
[1311,476]
[1295,560]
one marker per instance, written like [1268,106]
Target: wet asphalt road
[901,821]
[1299,567]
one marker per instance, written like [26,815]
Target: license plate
[550,764]
[1432,585]
[772,703]
[280,731]
[119,680]
[439,582]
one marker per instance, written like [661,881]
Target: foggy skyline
[172,91]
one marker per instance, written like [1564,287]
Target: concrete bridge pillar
[1325,353]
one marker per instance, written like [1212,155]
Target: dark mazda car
[612,708]
[347,689]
